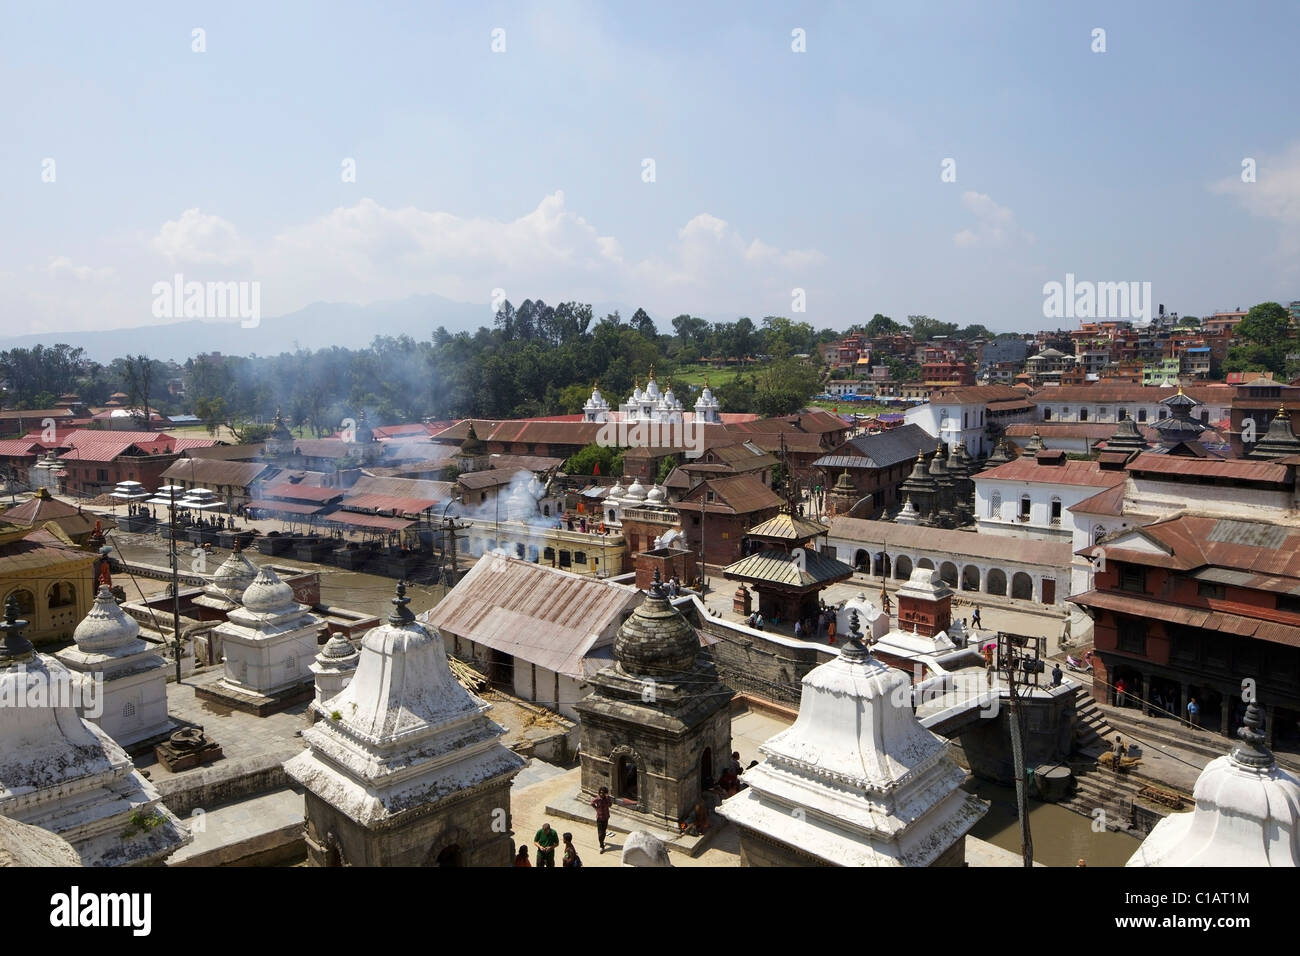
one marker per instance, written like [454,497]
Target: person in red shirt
[601,804]
[521,858]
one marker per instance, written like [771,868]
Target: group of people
[546,840]
[581,524]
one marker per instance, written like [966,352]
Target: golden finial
[1180,388]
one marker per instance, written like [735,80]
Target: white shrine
[651,405]
[268,643]
[1247,812]
[405,768]
[333,667]
[856,781]
[123,676]
[64,774]
[225,591]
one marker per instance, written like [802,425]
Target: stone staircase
[1097,788]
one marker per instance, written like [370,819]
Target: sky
[822,161]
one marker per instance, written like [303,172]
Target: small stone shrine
[268,644]
[133,706]
[658,722]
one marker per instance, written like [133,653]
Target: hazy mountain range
[319,325]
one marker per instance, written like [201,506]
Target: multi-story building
[964,415]
[1031,497]
[1205,608]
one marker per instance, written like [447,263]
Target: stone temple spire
[1247,812]
[16,648]
[405,768]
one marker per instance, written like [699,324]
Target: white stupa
[269,642]
[334,666]
[403,767]
[857,781]
[1247,811]
[225,591]
[64,774]
[651,405]
[707,408]
[597,408]
[128,672]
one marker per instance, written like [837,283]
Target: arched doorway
[970,578]
[925,563]
[948,574]
[997,582]
[626,778]
[860,559]
[902,567]
[882,564]
[62,594]
[1022,586]
[450,856]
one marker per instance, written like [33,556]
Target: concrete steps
[1094,732]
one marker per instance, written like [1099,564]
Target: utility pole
[176,580]
[1019,659]
[704,568]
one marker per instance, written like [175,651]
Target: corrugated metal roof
[1252,533]
[540,615]
[490,478]
[889,448]
[403,487]
[372,522]
[1210,468]
[287,507]
[740,494]
[18,448]
[406,506]
[293,491]
[1085,473]
[212,471]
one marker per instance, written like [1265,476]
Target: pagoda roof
[785,569]
[787,527]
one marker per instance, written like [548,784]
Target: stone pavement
[240,735]
[223,835]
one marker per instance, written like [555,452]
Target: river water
[1060,836]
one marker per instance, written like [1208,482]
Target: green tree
[783,386]
[584,461]
[1262,340]
[924,327]
[882,325]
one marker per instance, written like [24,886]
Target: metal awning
[369,522]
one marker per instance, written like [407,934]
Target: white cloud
[368,252]
[199,239]
[994,225]
[1274,195]
[61,267]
